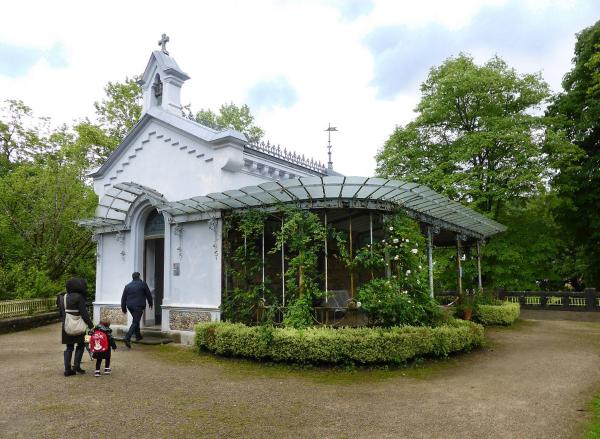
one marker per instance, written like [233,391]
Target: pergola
[445,222]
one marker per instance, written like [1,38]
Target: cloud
[16,61]
[353,9]
[402,56]
[269,94]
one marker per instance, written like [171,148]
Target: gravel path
[532,381]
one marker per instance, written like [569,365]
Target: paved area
[531,381]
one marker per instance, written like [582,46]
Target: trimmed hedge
[503,314]
[338,346]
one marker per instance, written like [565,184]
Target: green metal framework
[417,200]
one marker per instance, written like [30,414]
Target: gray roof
[417,200]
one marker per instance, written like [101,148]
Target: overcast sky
[298,64]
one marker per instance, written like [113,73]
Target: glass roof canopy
[418,201]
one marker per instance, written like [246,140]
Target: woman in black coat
[76,299]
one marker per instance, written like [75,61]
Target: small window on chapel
[157,88]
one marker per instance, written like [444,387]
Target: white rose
[408,272]
[396,257]
[395,240]
[414,250]
[391,229]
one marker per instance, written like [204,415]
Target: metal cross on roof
[163,43]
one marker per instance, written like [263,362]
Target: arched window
[155,226]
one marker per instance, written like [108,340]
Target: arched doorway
[154,257]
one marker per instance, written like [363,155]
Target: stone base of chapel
[178,322]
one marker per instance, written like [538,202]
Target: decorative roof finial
[163,43]
[330,129]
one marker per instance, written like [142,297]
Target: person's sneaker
[69,373]
[128,344]
[140,338]
[107,371]
[97,373]
[78,369]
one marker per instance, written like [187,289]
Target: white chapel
[163,191]
[151,216]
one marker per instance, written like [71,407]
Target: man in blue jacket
[134,299]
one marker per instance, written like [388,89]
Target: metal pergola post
[371,237]
[326,270]
[459,265]
[263,262]
[351,255]
[479,282]
[282,266]
[430,258]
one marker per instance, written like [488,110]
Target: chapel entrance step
[147,340]
[152,335]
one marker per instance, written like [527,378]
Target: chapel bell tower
[162,80]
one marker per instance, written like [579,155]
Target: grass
[239,368]
[592,430]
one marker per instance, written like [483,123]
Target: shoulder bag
[74,324]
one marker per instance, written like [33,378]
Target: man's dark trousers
[136,313]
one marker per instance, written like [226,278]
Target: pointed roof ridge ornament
[329,129]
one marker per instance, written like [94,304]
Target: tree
[42,193]
[577,114]
[477,137]
[121,109]
[481,139]
[231,116]
[21,134]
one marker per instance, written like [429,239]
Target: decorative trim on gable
[176,143]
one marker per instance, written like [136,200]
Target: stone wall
[114,315]
[186,320]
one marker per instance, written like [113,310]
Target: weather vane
[163,43]
[329,129]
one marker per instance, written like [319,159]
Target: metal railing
[587,300]
[18,308]
[288,156]
[28,307]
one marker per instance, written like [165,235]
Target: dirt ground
[531,381]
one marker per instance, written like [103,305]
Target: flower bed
[504,313]
[326,345]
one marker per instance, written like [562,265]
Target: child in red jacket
[101,345]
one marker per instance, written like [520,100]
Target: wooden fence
[18,308]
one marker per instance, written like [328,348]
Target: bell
[158,89]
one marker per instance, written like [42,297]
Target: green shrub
[299,313]
[504,313]
[394,345]
[388,305]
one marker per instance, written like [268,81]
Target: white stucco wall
[199,281]
[176,165]
[114,273]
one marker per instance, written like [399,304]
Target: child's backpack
[98,342]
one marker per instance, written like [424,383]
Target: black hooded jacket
[135,295]
[76,300]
